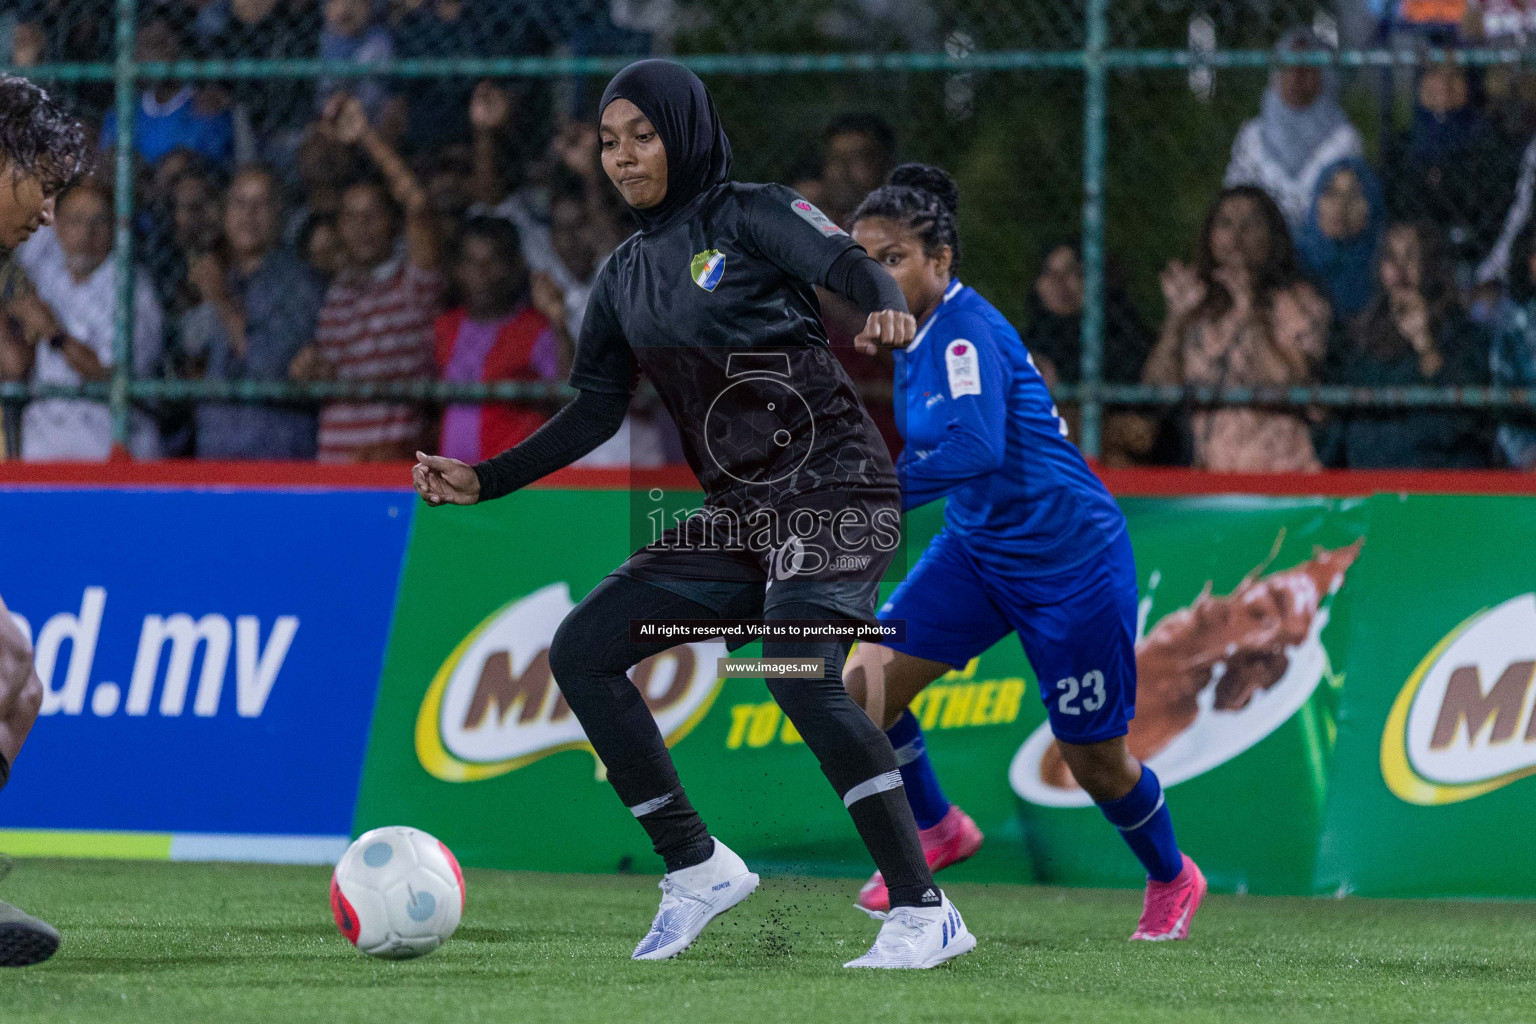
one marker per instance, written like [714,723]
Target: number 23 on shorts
[1078,696]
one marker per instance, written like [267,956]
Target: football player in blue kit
[1032,544]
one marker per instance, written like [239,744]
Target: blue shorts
[1078,630]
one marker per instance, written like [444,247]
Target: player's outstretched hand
[444,481]
[886,328]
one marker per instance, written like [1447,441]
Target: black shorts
[828,551]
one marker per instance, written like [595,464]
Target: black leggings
[590,656]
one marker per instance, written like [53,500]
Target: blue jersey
[980,427]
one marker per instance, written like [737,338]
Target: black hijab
[676,102]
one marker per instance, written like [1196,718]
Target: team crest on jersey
[707,269]
[815,218]
[960,362]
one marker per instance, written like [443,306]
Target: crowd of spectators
[374,230]
[1312,267]
[333,230]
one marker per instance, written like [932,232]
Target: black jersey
[717,306]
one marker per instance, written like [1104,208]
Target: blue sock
[929,804]
[1143,820]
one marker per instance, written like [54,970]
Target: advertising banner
[1241,624]
[1430,793]
[209,660]
[472,740]
[1339,694]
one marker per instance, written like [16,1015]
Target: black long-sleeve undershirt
[595,416]
[592,418]
[858,276]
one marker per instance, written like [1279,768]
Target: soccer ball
[397,893]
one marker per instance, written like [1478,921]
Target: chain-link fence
[1091,141]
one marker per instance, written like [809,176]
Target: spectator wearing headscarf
[1495,268]
[1342,233]
[1514,352]
[1451,167]
[1300,130]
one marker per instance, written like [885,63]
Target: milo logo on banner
[1464,725]
[1213,678]
[493,706]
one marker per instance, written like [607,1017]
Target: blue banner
[210,659]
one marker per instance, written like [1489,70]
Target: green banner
[1236,693]
[1438,728]
[1324,684]
[472,742]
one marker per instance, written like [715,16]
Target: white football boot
[918,937]
[693,897]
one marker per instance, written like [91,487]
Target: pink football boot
[1169,906]
[952,840]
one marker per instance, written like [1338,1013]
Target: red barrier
[1334,483]
[191,473]
[188,473]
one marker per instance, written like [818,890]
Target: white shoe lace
[674,890]
[902,927]
[673,896]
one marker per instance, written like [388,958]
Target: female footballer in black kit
[714,300]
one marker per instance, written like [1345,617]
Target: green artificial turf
[175,943]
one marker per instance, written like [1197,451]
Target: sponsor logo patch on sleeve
[964,373]
[815,218]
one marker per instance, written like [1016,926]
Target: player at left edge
[42,153]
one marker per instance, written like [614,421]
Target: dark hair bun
[933,180]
